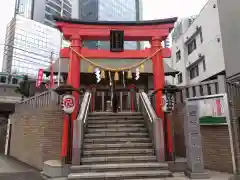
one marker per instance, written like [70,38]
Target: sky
[156,9]
[152,9]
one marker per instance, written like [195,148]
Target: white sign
[68,103]
[212,107]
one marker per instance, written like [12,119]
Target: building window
[67,8]
[201,36]
[14,81]
[194,71]
[192,46]
[180,78]
[48,17]
[204,65]
[3,79]
[67,14]
[178,55]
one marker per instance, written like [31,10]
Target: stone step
[119,167]
[113,140]
[168,178]
[115,114]
[114,125]
[113,121]
[119,175]
[129,145]
[116,134]
[118,152]
[114,117]
[117,159]
[124,129]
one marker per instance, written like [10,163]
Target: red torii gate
[78,31]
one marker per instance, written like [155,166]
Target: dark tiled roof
[123,23]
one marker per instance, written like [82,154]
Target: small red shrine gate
[78,31]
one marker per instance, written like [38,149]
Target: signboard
[39,78]
[167,103]
[192,133]
[204,110]
[116,41]
[68,103]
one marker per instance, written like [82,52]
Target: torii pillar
[74,80]
[159,77]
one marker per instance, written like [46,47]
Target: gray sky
[153,9]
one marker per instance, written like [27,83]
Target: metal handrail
[146,108]
[79,126]
[155,126]
[149,107]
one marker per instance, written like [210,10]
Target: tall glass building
[43,10]
[29,46]
[108,10]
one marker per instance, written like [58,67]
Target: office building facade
[113,10]
[197,50]
[43,10]
[209,45]
[29,46]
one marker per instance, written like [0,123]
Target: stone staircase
[117,147]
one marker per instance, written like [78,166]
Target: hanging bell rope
[123,74]
[114,69]
[110,77]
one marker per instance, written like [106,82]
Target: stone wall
[177,117]
[36,135]
[215,142]
[216,148]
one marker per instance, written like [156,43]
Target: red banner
[39,78]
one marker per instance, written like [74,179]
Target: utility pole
[59,59]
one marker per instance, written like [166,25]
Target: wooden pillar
[74,80]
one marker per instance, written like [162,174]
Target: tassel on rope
[103,74]
[129,75]
[142,68]
[90,69]
[116,76]
[137,74]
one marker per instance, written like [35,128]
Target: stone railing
[233,91]
[44,99]
[211,87]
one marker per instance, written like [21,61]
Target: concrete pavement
[213,176]
[11,169]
